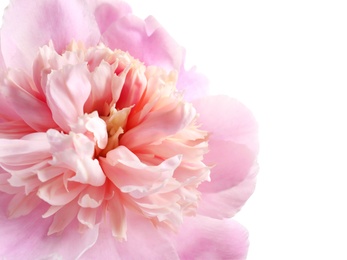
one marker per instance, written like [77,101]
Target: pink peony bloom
[110,149]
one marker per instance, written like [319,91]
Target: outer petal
[205,238]
[143,241]
[20,96]
[193,84]
[129,32]
[229,120]
[30,24]
[233,148]
[26,237]
[106,14]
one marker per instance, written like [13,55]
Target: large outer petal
[204,238]
[233,147]
[30,24]
[146,40]
[26,237]
[144,241]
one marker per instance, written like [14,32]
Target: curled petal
[75,152]
[132,176]
[67,91]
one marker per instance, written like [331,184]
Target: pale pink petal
[26,237]
[107,12]
[205,239]
[157,46]
[135,177]
[75,152]
[159,124]
[228,202]
[233,147]
[14,129]
[23,98]
[193,84]
[29,25]
[32,148]
[143,241]
[229,120]
[67,91]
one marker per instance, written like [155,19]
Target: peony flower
[110,149]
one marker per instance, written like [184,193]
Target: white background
[287,61]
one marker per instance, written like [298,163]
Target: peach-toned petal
[57,20]
[135,177]
[75,152]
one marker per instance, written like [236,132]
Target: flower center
[115,124]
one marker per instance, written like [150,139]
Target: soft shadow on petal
[144,241]
[67,92]
[229,120]
[26,237]
[233,148]
[204,238]
[228,202]
[193,84]
[28,25]
[157,46]
[106,13]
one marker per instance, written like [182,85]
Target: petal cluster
[105,138]
[120,137]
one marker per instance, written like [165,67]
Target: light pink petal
[67,91]
[159,124]
[205,239]
[228,202]
[143,241]
[26,237]
[193,84]
[157,46]
[14,129]
[33,148]
[75,152]
[135,177]
[22,97]
[107,12]
[233,148]
[57,20]
[228,119]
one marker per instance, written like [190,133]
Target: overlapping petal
[28,25]
[99,149]
[26,237]
[233,145]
